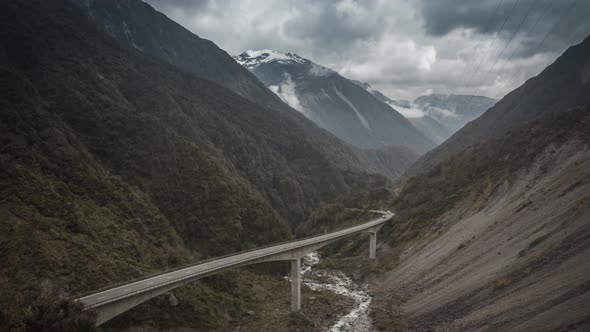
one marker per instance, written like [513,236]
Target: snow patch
[254,58]
[326,94]
[356,111]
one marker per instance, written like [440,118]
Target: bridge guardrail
[152,275]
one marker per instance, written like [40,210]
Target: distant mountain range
[562,85]
[437,116]
[333,102]
[454,111]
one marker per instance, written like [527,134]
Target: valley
[327,167]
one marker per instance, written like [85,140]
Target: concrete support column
[295,284]
[372,245]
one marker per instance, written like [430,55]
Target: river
[357,319]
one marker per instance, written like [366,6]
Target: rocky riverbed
[358,319]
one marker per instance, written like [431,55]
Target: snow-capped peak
[254,58]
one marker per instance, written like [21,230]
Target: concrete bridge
[112,302]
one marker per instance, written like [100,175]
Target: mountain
[432,128]
[497,235]
[115,164]
[454,111]
[442,115]
[333,102]
[437,116]
[141,27]
[562,85]
[495,232]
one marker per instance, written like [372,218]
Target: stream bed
[357,319]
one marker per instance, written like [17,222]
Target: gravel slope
[518,261]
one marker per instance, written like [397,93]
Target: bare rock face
[260,294]
[172,300]
[515,258]
[166,299]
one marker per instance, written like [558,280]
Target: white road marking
[102,297]
[127,290]
[150,283]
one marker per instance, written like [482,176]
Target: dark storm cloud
[554,21]
[403,47]
[335,24]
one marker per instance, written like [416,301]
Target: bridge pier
[114,301]
[295,284]
[373,245]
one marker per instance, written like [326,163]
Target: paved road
[190,272]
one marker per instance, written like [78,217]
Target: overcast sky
[405,48]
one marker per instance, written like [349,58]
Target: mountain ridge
[332,101]
[141,27]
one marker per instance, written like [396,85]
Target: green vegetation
[114,165]
[501,283]
[43,307]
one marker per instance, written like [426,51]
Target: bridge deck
[206,268]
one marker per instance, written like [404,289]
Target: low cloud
[318,70]
[286,90]
[438,112]
[408,110]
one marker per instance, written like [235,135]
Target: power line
[531,29]
[555,25]
[488,26]
[478,66]
[533,2]
[565,14]
[549,31]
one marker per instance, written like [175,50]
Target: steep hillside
[493,231]
[562,85]
[115,164]
[333,102]
[140,26]
[432,128]
[497,237]
[391,161]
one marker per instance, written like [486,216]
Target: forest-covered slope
[115,164]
